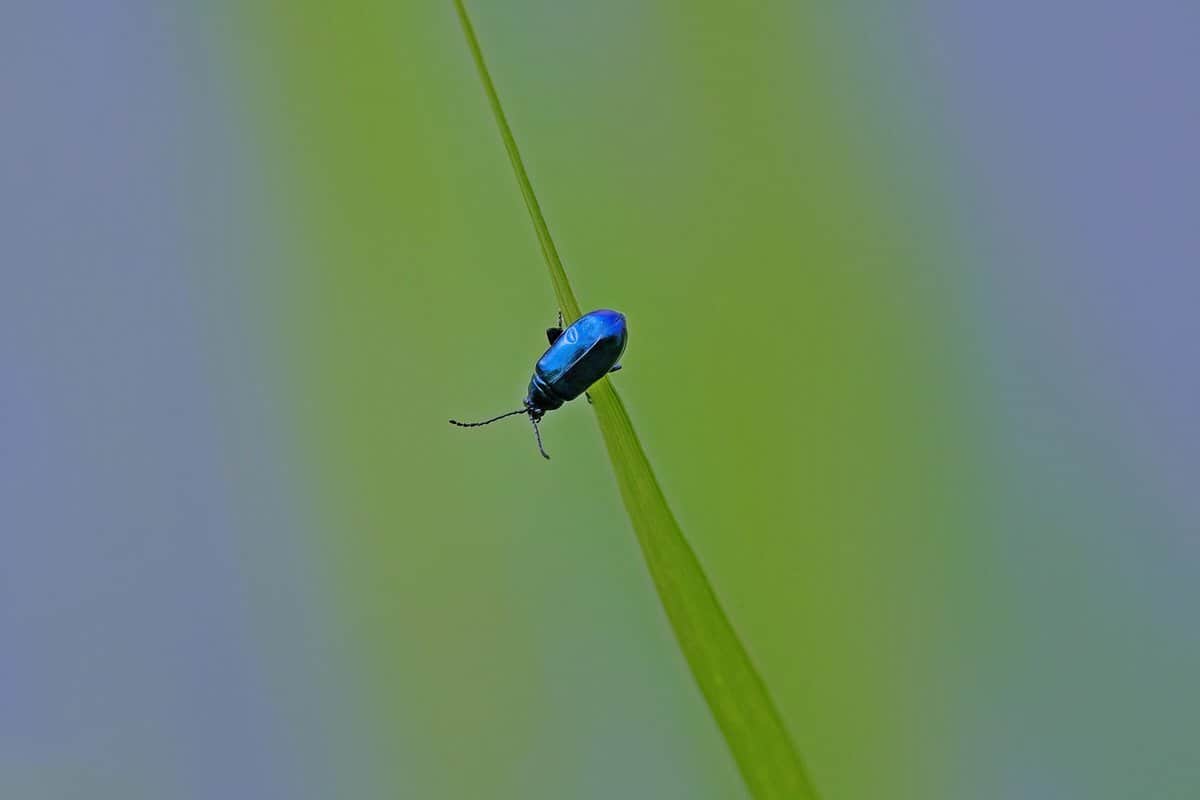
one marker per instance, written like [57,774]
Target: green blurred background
[909,350]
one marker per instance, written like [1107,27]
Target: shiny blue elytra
[578,357]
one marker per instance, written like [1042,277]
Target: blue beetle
[578,357]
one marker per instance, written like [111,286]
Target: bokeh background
[912,296]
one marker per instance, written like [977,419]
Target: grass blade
[734,690]
[731,685]
[558,276]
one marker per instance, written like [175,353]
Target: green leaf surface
[734,690]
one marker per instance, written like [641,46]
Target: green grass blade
[734,690]
[731,685]
[558,276]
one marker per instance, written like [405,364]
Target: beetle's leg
[538,435]
[553,333]
[610,372]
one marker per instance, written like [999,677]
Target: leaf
[736,694]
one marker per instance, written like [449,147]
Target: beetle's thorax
[541,398]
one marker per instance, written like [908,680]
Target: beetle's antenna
[526,410]
[488,421]
[538,435]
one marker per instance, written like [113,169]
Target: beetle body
[578,356]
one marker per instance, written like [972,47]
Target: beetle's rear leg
[588,395]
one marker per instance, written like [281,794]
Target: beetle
[579,356]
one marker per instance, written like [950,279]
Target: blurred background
[913,349]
